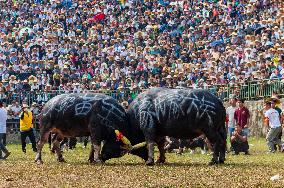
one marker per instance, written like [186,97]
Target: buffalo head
[118,145]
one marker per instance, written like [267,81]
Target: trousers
[30,134]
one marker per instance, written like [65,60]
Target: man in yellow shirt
[26,128]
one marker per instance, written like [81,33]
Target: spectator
[15,109]
[26,128]
[239,141]
[242,116]
[195,44]
[35,109]
[275,103]
[125,104]
[3,119]
[273,120]
[230,112]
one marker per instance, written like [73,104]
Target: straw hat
[13,77]
[275,99]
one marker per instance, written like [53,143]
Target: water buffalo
[182,114]
[75,115]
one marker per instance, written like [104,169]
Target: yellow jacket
[26,121]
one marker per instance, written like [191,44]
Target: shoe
[270,152]
[6,155]
[246,153]
[24,150]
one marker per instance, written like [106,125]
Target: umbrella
[258,30]
[216,43]
[100,16]
[25,30]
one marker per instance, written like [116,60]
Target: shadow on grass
[174,164]
[167,164]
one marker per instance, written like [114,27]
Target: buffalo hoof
[61,160]
[91,160]
[97,161]
[38,161]
[150,162]
[211,163]
[161,160]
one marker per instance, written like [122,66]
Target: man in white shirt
[3,120]
[230,111]
[273,120]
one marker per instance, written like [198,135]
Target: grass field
[186,170]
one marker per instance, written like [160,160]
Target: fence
[252,90]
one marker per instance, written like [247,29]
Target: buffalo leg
[223,144]
[91,156]
[53,137]
[161,147]
[94,156]
[150,160]
[43,139]
[214,139]
[56,145]
[96,138]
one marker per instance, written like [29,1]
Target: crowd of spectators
[75,45]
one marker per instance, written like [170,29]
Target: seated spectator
[239,141]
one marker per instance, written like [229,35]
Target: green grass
[186,170]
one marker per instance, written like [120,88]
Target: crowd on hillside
[112,45]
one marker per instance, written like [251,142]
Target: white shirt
[3,120]
[16,109]
[230,111]
[273,117]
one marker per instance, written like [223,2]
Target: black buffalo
[182,114]
[77,115]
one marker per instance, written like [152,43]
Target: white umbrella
[25,30]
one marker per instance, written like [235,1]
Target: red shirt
[241,116]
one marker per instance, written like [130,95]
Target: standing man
[230,121]
[242,116]
[230,112]
[26,128]
[3,119]
[275,105]
[273,120]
